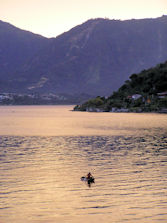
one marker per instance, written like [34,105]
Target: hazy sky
[53,17]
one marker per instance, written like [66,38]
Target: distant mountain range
[95,57]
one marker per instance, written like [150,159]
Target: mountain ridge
[94,57]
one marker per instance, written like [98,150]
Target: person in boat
[90,179]
[89,176]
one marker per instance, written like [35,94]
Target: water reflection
[60,121]
[40,178]
[45,150]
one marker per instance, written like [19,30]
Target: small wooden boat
[88,180]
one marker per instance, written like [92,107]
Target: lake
[45,150]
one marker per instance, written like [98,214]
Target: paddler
[89,176]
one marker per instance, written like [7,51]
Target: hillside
[146,91]
[94,58]
[17,47]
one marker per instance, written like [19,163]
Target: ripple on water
[40,177]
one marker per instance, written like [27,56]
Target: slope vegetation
[146,91]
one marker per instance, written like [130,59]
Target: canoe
[89,180]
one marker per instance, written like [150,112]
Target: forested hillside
[146,91]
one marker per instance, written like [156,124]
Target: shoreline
[96,110]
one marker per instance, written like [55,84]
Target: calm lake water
[44,150]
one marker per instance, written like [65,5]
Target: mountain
[17,47]
[95,57]
[146,91]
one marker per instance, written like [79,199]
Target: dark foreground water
[40,175]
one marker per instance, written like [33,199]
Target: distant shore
[120,110]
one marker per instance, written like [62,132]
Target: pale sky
[53,17]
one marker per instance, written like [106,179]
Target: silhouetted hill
[146,91]
[16,48]
[95,57]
